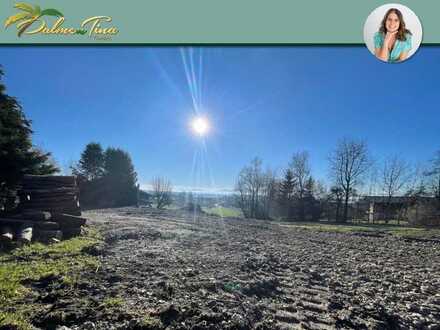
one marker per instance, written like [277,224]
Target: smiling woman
[392,33]
[393,41]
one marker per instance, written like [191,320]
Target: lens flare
[200,126]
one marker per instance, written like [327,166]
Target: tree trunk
[35,215]
[346,208]
[47,235]
[68,221]
[338,206]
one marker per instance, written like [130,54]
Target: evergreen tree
[286,192]
[312,206]
[120,177]
[309,188]
[17,154]
[91,164]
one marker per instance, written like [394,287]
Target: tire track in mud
[303,294]
[304,302]
[302,298]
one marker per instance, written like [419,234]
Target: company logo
[31,20]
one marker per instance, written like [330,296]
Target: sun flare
[200,126]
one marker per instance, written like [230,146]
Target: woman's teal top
[399,46]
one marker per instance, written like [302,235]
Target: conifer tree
[286,192]
[120,177]
[17,154]
[91,164]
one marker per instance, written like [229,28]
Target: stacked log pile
[57,194]
[49,210]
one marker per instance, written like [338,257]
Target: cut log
[35,215]
[62,179]
[41,205]
[47,187]
[37,181]
[44,185]
[46,235]
[71,232]
[25,235]
[46,207]
[44,225]
[73,211]
[68,221]
[6,234]
[49,200]
[51,192]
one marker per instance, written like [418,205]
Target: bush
[424,214]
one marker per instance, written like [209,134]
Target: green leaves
[16,18]
[18,156]
[25,7]
[51,12]
[29,15]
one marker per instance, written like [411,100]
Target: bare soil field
[169,269]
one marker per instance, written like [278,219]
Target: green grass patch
[416,232]
[35,262]
[148,322]
[14,321]
[113,302]
[401,231]
[223,212]
[330,227]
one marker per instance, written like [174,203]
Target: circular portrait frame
[389,40]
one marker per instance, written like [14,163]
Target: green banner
[198,21]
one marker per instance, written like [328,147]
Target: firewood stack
[55,194]
[49,211]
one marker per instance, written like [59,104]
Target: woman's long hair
[401,33]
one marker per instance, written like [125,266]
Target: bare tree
[336,195]
[248,186]
[348,165]
[417,185]
[373,181]
[300,167]
[433,176]
[395,175]
[419,208]
[257,190]
[268,193]
[162,190]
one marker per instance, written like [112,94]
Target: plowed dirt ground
[176,270]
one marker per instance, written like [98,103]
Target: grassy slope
[34,262]
[401,231]
[223,212]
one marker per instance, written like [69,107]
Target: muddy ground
[172,270]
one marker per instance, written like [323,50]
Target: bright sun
[200,126]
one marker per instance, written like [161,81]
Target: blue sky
[267,102]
